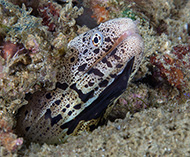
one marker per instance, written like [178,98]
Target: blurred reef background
[152,118]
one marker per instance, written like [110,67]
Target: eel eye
[96,39]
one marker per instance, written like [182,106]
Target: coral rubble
[8,140]
[34,37]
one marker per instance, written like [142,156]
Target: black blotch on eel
[83,97]
[98,107]
[53,120]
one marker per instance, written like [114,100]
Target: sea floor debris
[162,128]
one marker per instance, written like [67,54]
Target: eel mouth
[124,36]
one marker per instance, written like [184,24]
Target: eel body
[95,72]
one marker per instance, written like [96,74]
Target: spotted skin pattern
[95,72]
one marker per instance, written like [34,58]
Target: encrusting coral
[30,52]
[38,40]
[31,63]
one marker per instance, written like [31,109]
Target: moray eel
[95,72]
